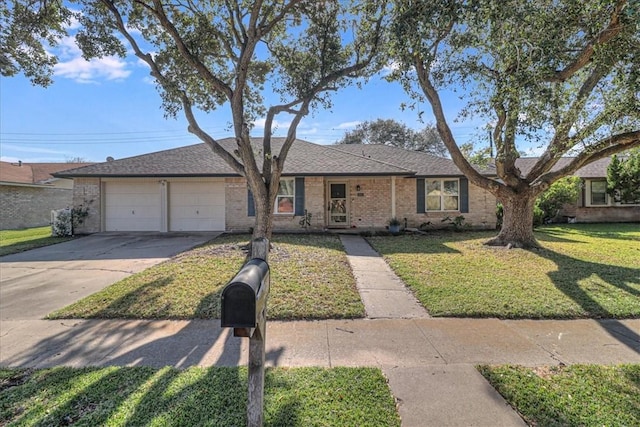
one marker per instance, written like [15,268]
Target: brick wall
[87,192]
[371,206]
[24,207]
[237,218]
[482,207]
[603,214]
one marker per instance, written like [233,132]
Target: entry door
[338,206]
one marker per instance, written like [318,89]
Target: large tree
[396,134]
[205,54]
[563,76]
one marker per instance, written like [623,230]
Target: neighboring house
[29,192]
[594,204]
[339,186]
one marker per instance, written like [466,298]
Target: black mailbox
[244,299]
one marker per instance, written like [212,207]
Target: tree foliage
[476,157]
[564,191]
[207,54]
[563,76]
[623,178]
[396,134]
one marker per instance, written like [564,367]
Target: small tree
[549,203]
[623,178]
[396,134]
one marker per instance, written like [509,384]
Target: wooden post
[255,405]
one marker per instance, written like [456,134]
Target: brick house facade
[337,187]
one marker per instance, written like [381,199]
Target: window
[285,200]
[599,193]
[442,194]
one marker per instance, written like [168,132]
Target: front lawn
[14,241]
[582,271]
[140,396]
[578,395]
[310,279]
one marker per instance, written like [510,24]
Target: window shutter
[251,207]
[420,195]
[464,195]
[299,209]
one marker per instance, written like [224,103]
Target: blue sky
[110,107]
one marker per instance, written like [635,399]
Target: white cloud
[348,125]
[275,125]
[309,131]
[32,154]
[73,66]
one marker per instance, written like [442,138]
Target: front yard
[583,271]
[310,279]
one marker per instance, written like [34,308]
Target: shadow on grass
[618,231]
[22,246]
[216,397]
[572,271]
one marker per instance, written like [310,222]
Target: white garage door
[132,206]
[196,206]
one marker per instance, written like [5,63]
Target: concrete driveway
[36,282]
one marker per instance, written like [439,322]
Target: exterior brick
[88,192]
[30,206]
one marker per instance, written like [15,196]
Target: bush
[548,204]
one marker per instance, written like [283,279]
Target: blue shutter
[299,210]
[251,207]
[464,195]
[420,195]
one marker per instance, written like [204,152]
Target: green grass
[14,241]
[215,396]
[310,279]
[583,271]
[578,395]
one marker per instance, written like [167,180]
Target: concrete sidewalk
[429,362]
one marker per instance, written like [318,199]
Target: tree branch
[447,136]
[611,31]
[202,69]
[561,142]
[603,148]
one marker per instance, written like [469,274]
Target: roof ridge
[332,147]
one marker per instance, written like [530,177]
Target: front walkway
[383,294]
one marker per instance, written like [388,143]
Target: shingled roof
[304,158]
[597,169]
[423,164]
[32,173]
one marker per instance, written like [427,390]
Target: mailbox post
[244,308]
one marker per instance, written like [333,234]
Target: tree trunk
[263,227]
[517,223]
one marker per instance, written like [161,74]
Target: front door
[338,206]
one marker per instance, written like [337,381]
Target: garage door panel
[196,206]
[132,206]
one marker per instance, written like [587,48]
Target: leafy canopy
[561,75]
[396,134]
[205,54]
